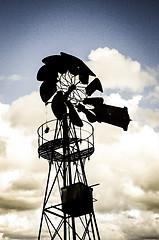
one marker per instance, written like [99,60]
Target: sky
[118,40]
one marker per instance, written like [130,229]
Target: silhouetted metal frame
[63,169]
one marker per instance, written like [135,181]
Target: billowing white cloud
[121,164]
[22,177]
[26,113]
[129,225]
[117,71]
[125,164]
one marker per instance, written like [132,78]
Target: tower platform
[51,148]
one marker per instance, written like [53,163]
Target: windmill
[67,142]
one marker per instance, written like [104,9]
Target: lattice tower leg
[60,219]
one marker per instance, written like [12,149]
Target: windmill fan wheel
[65,79]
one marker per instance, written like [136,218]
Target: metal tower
[67,142]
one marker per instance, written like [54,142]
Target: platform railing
[84,135]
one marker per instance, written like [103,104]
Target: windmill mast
[66,143]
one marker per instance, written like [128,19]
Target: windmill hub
[69,91]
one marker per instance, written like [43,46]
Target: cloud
[13,77]
[2,147]
[121,164]
[20,189]
[133,225]
[26,113]
[117,71]
[153,96]
[117,164]
[127,172]
[148,116]
[22,177]
[15,226]
[18,204]
[125,164]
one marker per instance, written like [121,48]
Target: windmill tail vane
[67,142]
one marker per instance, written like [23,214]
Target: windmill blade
[73,63]
[84,73]
[47,90]
[53,59]
[83,77]
[74,70]
[72,60]
[77,66]
[73,115]
[90,116]
[86,70]
[112,115]
[94,101]
[56,62]
[58,107]
[93,86]
[47,73]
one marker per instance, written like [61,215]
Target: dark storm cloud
[149,202]
[18,236]
[21,194]
[141,237]
[25,183]
[9,202]
[149,180]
